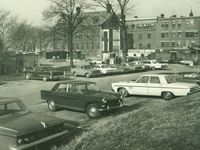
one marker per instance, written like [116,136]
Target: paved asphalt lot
[29,92]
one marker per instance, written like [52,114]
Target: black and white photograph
[99,75]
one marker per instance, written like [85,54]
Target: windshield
[88,67]
[105,66]
[92,87]
[170,79]
[154,61]
[12,108]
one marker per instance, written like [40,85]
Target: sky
[32,9]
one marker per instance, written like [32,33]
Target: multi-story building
[142,36]
[95,35]
[169,38]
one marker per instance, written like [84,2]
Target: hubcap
[123,92]
[51,105]
[93,111]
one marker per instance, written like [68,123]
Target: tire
[27,77]
[44,79]
[51,105]
[87,75]
[75,75]
[167,95]
[123,92]
[92,111]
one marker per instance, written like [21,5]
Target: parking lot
[29,92]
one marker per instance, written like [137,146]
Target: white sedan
[162,85]
[105,69]
[154,64]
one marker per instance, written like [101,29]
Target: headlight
[104,100]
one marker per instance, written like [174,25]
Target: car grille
[113,103]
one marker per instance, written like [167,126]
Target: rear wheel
[51,105]
[87,75]
[167,95]
[123,92]
[92,111]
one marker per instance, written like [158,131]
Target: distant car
[165,86]
[81,96]
[44,73]
[187,62]
[154,64]
[105,69]
[85,70]
[20,129]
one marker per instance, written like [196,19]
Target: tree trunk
[70,47]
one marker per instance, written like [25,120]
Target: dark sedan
[20,129]
[81,96]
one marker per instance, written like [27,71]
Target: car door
[75,96]
[154,86]
[59,95]
[140,86]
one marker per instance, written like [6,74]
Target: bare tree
[67,13]
[121,7]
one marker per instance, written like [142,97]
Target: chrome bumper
[110,108]
[35,143]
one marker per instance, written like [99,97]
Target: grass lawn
[172,125]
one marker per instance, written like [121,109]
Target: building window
[133,26]
[162,44]
[179,34]
[173,34]
[98,45]
[179,24]
[148,35]
[173,24]
[140,36]
[140,45]
[173,44]
[162,35]
[148,46]
[167,44]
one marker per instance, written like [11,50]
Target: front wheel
[44,79]
[123,92]
[51,105]
[92,111]
[87,75]
[167,95]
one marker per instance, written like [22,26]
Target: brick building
[167,38]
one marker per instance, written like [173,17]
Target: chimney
[109,8]
[135,16]
[162,15]
[191,13]
[174,16]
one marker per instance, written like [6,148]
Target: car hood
[106,95]
[123,83]
[27,123]
[184,84]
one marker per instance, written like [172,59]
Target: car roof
[8,100]
[76,82]
[155,75]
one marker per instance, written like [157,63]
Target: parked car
[154,64]
[105,69]
[187,62]
[82,96]
[162,85]
[21,129]
[44,73]
[85,70]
